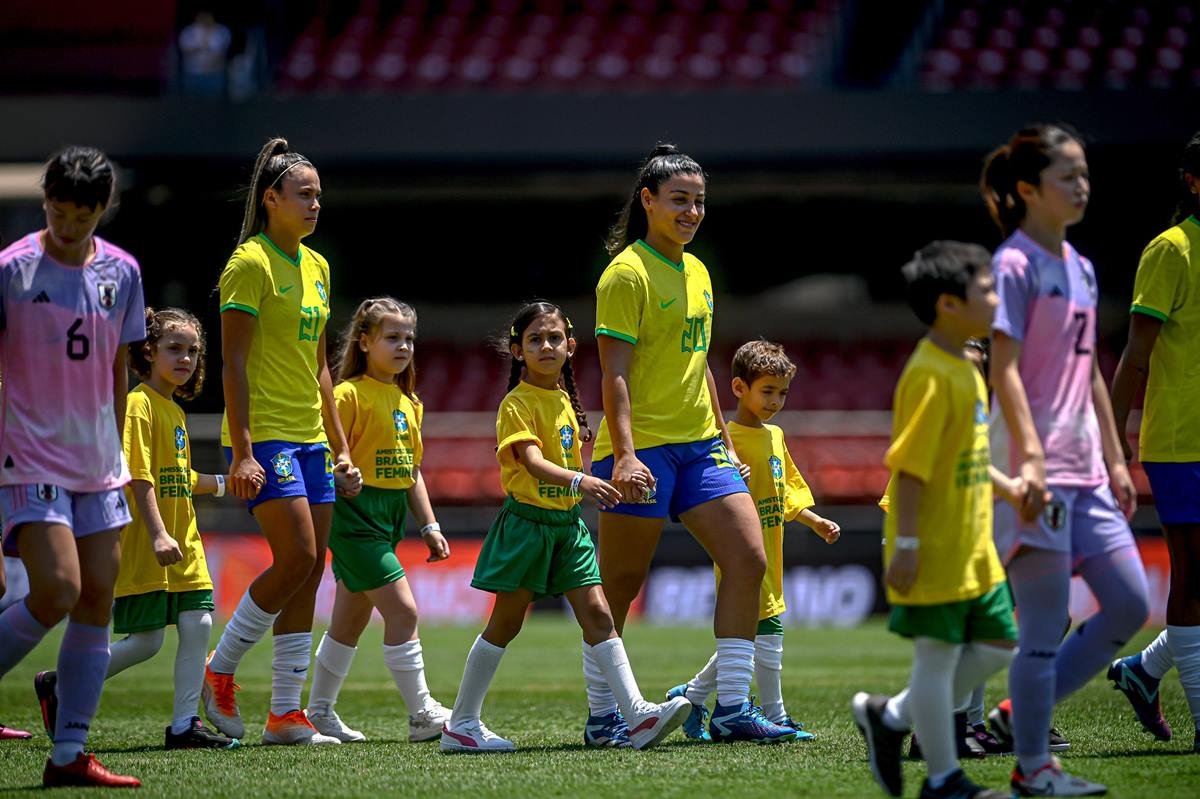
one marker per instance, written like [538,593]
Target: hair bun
[664,148]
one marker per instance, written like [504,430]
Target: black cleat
[957,786]
[883,743]
[200,737]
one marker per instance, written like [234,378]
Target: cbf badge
[106,292]
[1055,514]
[180,439]
[282,464]
[567,436]
[708,299]
[321,291]
[401,422]
[776,467]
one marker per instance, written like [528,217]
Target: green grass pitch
[538,701]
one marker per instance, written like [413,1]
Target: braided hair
[158,323]
[516,332]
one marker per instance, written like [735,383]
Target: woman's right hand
[1033,472]
[632,479]
[600,492]
[246,477]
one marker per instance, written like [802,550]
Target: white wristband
[220,492]
[432,527]
[908,543]
[575,481]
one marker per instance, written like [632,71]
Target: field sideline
[538,700]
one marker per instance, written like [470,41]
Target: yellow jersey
[940,437]
[665,310]
[1167,287]
[158,451]
[545,417]
[779,493]
[290,300]
[383,428]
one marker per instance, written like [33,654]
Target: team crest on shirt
[708,299]
[106,292]
[282,464]
[180,439]
[401,422]
[776,467]
[321,291]
[566,434]
[981,416]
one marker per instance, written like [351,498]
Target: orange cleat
[85,771]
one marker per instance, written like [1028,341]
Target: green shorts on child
[139,613]
[363,538]
[984,618]
[548,552]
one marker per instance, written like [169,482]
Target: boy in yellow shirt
[762,373]
[944,578]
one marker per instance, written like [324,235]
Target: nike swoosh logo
[665,305]
[300,670]
[284,289]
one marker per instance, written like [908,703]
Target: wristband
[432,527]
[220,492]
[575,481]
[907,544]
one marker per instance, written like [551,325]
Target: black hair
[1027,153]
[142,352]
[513,337]
[664,162]
[274,159]
[1189,164]
[80,175]
[941,267]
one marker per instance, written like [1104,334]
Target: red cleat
[13,734]
[85,771]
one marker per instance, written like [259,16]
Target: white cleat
[654,722]
[428,724]
[328,722]
[473,737]
[293,729]
[1051,780]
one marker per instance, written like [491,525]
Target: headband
[289,169]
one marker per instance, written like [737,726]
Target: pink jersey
[60,330]
[1049,305]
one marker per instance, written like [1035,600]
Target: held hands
[902,571]
[829,530]
[1033,473]
[166,549]
[631,479]
[1126,448]
[602,493]
[246,478]
[347,479]
[1123,489]
[743,468]
[439,548]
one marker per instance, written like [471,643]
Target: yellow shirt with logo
[1167,287]
[158,451]
[665,310]
[940,437]
[545,417]
[779,492]
[383,428]
[290,300]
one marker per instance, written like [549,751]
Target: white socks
[614,663]
[289,670]
[1185,649]
[482,662]
[1156,658]
[976,663]
[407,666]
[701,687]
[333,663]
[601,701]
[735,670]
[931,704]
[135,648]
[768,673]
[246,628]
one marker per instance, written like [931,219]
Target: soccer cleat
[13,734]
[883,743]
[801,733]
[1051,780]
[220,704]
[694,726]
[651,723]
[474,737]
[427,725]
[328,722]
[607,731]
[200,737]
[45,685]
[1129,677]
[967,747]
[85,771]
[1001,721]
[1057,742]
[957,786]
[989,743]
[293,729]
[746,722]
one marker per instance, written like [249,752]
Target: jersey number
[78,346]
[310,323]
[1081,346]
[695,336]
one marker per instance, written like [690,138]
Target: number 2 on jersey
[1081,322]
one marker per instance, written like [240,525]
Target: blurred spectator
[203,49]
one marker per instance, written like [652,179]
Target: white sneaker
[293,729]
[328,722]
[427,725]
[654,722]
[1051,780]
[473,737]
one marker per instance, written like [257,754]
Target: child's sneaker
[694,726]
[1051,780]
[328,722]
[45,685]
[293,729]
[957,786]
[427,725]
[85,771]
[1130,678]
[1001,721]
[654,722]
[746,723]
[610,731]
[198,736]
[474,737]
[967,747]
[1057,742]
[801,733]
[883,743]
[13,734]
[989,743]
[220,703]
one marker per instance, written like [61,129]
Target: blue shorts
[1176,488]
[688,475]
[293,470]
[84,513]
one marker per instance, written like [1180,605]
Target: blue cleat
[746,723]
[801,733]
[694,726]
[607,731]
[1130,678]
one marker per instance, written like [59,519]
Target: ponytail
[1023,158]
[274,159]
[664,162]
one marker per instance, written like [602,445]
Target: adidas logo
[42,297]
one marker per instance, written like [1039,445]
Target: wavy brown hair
[141,353]
[368,316]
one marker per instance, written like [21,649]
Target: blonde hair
[368,316]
